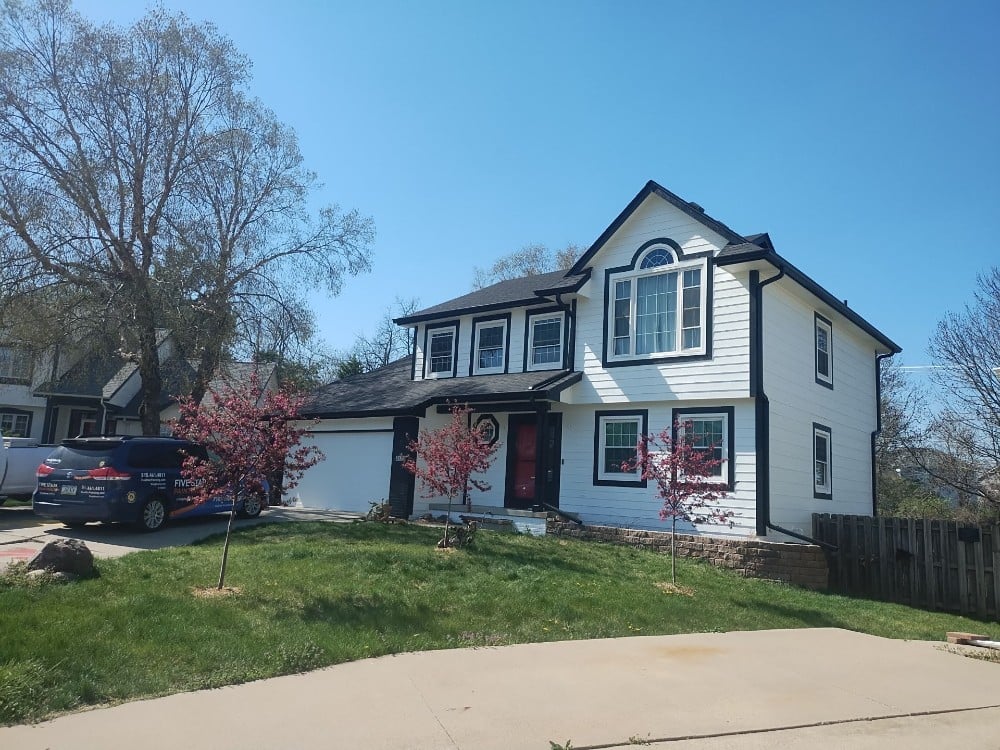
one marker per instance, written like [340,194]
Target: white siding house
[670,316]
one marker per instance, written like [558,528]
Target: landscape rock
[64,556]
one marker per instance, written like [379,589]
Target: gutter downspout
[878,427]
[762,413]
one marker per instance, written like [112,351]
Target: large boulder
[64,556]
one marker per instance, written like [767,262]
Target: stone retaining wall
[799,564]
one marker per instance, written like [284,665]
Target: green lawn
[314,594]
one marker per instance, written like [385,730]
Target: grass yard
[314,594]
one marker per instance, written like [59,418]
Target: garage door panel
[354,474]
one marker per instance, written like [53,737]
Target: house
[670,316]
[62,394]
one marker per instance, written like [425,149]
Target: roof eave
[812,286]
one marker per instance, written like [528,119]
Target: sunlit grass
[314,594]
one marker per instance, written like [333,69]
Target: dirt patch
[673,588]
[688,653]
[214,592]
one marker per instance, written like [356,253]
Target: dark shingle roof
[512,293]
[389,391]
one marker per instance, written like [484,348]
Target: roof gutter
[878,427]
[762,411]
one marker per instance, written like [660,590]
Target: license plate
[67,489]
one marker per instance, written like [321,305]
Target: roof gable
[693,210]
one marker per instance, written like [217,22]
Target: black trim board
[454,355]
[817,320]
[651,188]
[643,415]
[730,413]
[413,355]
[506,319]
[550,311]
[816,290]
[346,432]
[817,427]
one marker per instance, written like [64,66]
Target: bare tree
[529,260]
[963,438]
[136,171]
[388,343]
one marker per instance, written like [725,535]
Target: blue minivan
[128,479]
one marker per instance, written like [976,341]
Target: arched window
[658,256]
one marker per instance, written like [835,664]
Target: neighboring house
[96,394]
[669,316]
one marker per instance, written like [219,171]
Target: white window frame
[823,491]
[431,333]
[678,266]
[541,317]
[13,356]
[617,477]
[11,419]
[723,468]
[822,324]
[497,323]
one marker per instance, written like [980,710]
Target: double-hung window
[709,430]
[14,425]
[616,438]
[440,352]
[824,351]
[490,347]
[658,308]
[545,341]
[822,462]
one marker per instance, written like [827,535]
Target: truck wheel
[153,515]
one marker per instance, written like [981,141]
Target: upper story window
[440,351]
[824,351]
[490,347]
[545,340]
[657,307]
[15,364]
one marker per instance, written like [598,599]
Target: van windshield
[79,457]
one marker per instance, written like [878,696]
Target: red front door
[523,439]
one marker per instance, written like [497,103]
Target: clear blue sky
[863,136]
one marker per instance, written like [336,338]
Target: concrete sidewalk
[821,688]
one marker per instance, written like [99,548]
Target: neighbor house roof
[389,391]
[527,290]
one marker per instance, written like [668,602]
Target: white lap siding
[797,401]
[637,507]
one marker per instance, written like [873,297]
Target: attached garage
[356,469]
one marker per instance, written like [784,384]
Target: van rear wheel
[252,506]
[153,515]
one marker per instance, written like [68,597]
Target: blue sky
[863,136]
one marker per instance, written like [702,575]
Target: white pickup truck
[19,459]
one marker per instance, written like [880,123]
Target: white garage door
[355,472]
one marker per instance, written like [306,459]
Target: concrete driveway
[823,688]
[23,534]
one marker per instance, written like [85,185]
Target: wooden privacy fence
[929,564]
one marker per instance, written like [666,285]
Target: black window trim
[427,354]
[817,427]
[19,413]
[545,312]
[506,319]
[609,273]
[643,416]
[729,412]
[817,321]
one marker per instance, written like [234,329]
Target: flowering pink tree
[447,459]
[684,481]
[254,439]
